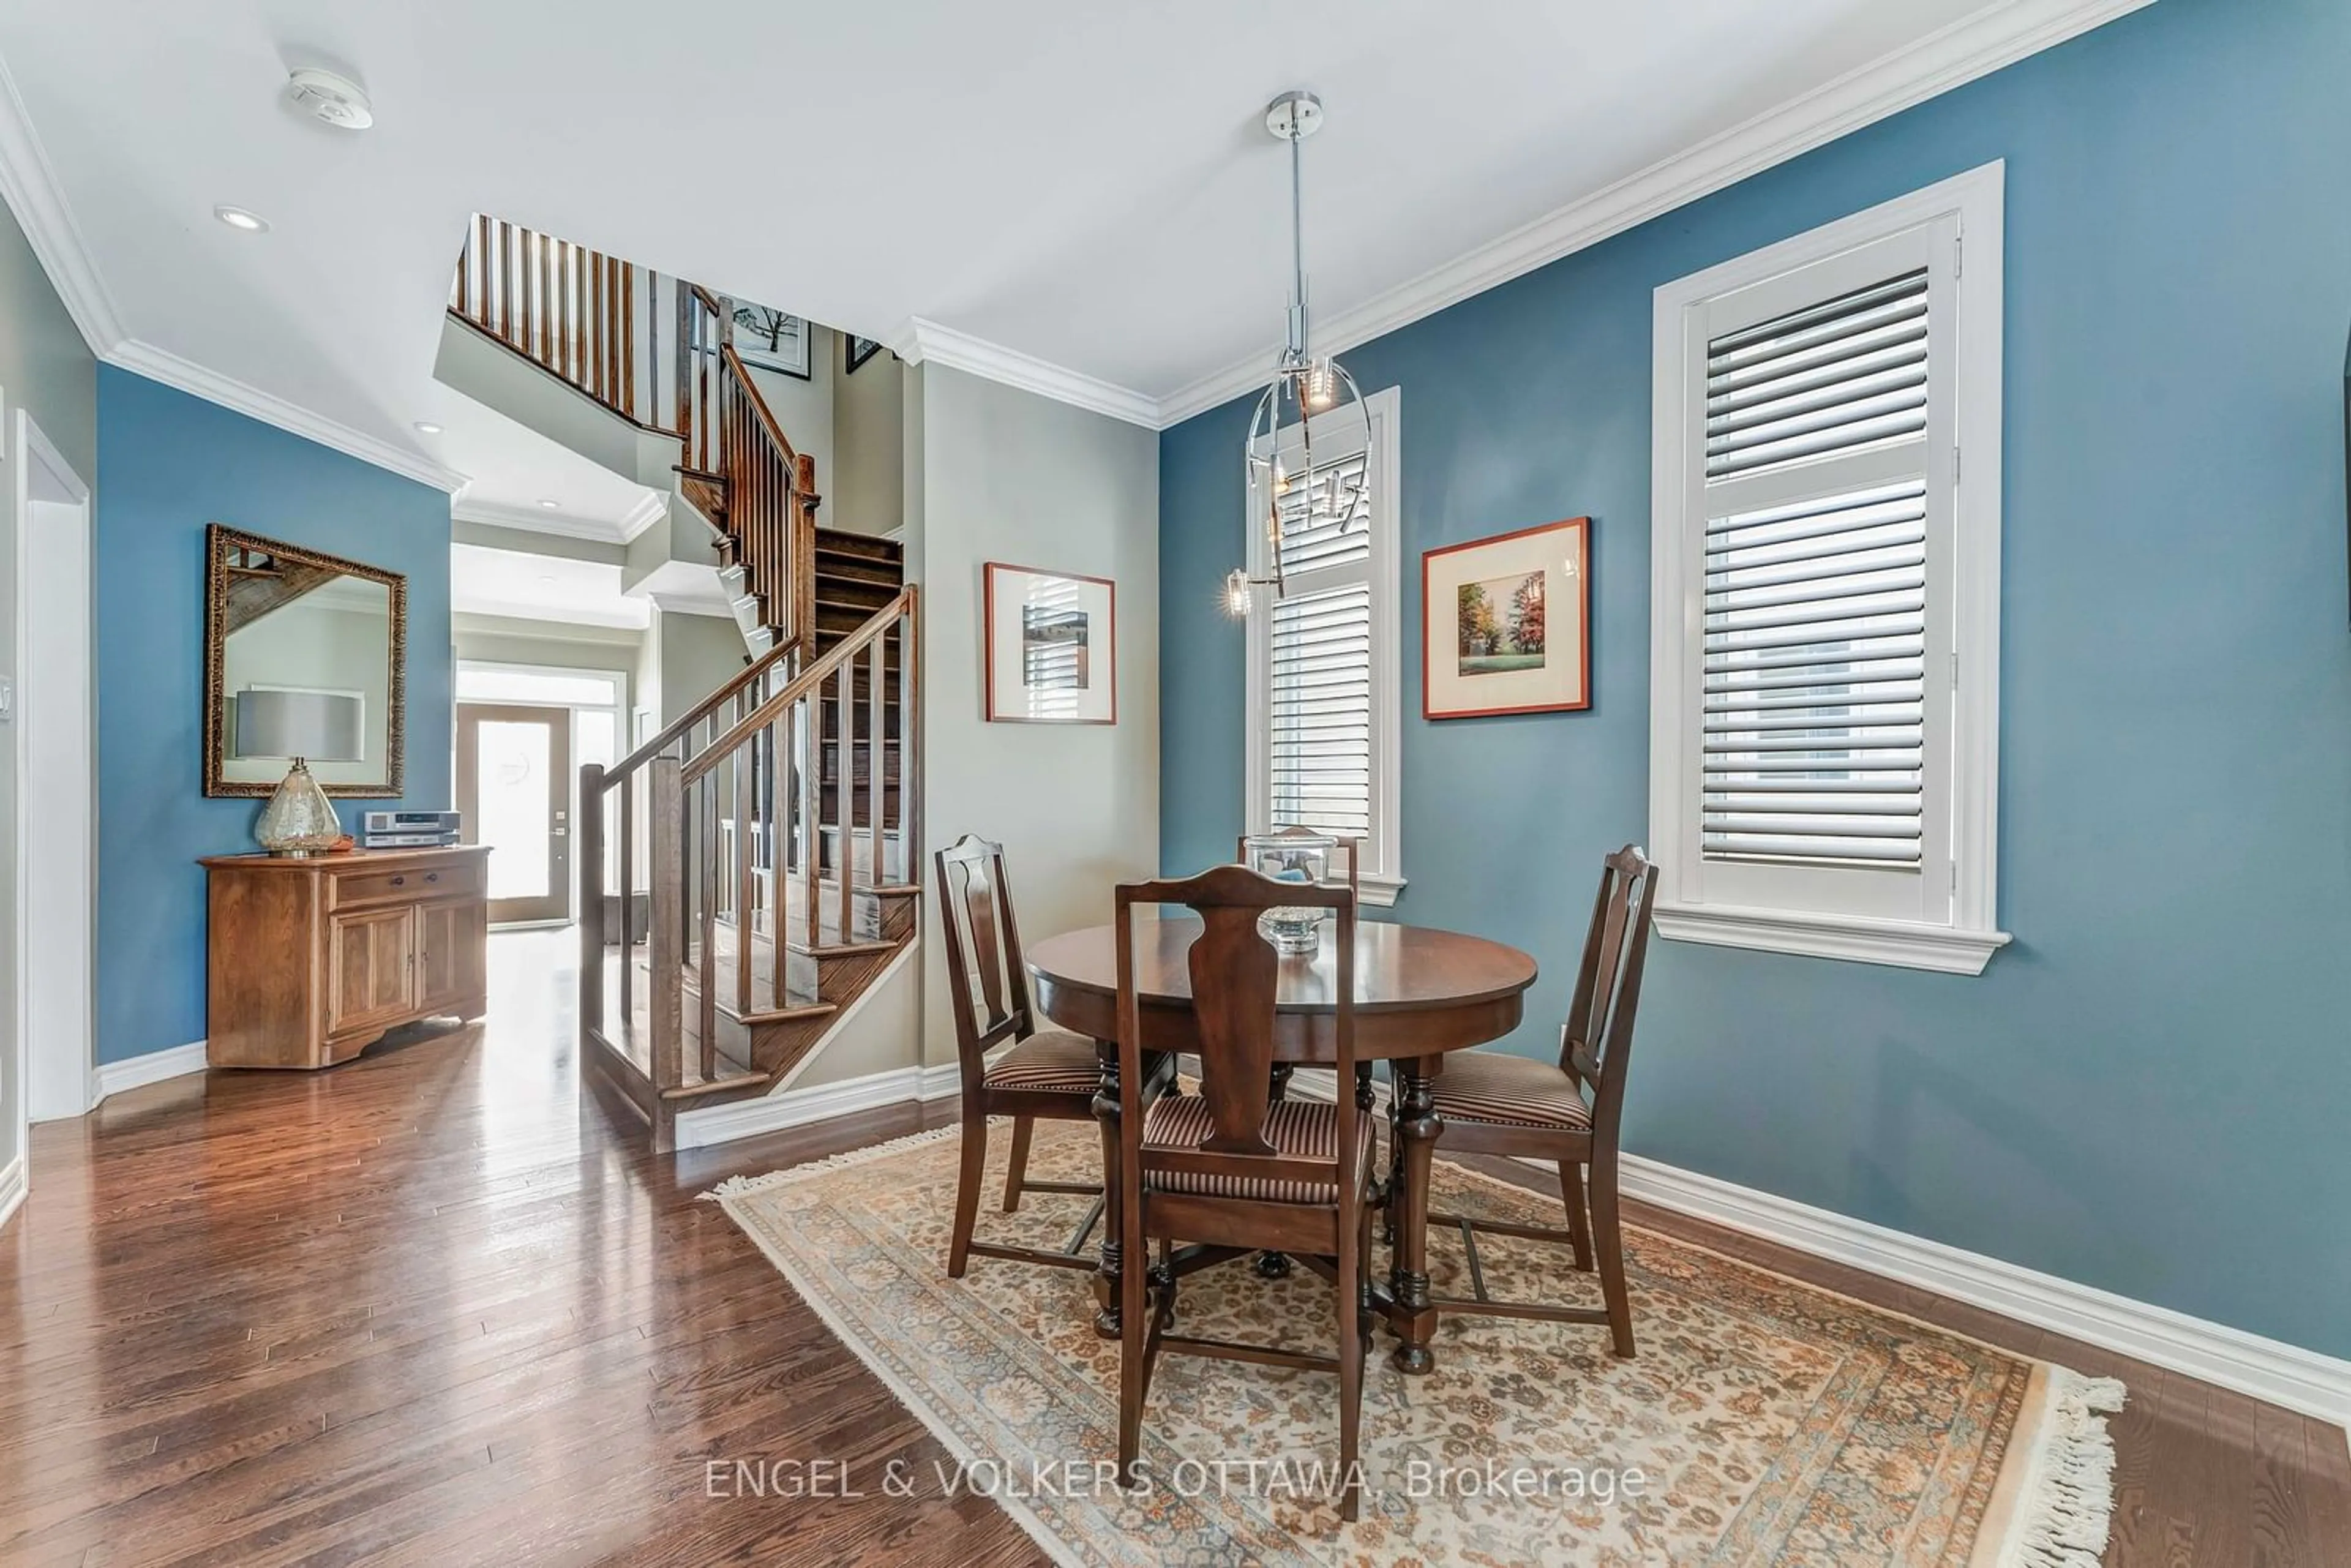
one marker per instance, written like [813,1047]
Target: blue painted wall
[168,463]
[2148,1092]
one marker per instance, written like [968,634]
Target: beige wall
[46,370]
[867,494]
[699,654]
[1007,475]
[804,408]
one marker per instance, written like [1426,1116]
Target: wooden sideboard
[314,959]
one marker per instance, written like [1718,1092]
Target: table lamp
[300,726]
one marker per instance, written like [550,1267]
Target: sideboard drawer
[357,889]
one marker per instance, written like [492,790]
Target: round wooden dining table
[1419,993]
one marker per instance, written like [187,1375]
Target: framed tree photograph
[1052,646]
[771,340]
[1507,623]
[856,351]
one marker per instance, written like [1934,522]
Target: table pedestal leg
[1106,1111]
[1414,1128]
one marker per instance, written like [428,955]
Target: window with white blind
[1825,592]
[1322,663]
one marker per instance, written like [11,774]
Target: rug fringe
[743,1185]
[2069,1503]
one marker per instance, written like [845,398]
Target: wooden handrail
[803,684]
[702,710]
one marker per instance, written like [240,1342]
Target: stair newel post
[808,758]
[587,845]
[845,789]
[710,884]
[665,1000]
[877,750]
[910,735]
[627,830]
[801,520]
[740,771]
[778,856]
[679,379]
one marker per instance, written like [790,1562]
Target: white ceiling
[1083,182]
[487,581]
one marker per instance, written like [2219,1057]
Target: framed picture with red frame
[1507,623]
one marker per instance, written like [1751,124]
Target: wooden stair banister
[775,892]
[575,313]
[569,309]
[770,832]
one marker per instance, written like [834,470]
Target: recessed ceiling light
[238,218]
[551,505]
[426,427]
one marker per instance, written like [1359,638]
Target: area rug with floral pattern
[1763,1421]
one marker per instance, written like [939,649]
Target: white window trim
[1381,872]
[1965,944]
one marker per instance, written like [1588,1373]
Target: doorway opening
[55,763]
[523,733]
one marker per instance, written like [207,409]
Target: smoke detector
[324,95]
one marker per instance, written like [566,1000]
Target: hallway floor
[434,1307]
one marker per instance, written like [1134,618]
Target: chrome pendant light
[1306,391]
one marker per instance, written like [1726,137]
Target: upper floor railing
[595,322]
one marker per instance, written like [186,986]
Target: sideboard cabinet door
[449,937]
[370,968]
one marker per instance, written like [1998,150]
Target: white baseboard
[2264,1369]
[798,1107]
[114,1077]
[12,1188]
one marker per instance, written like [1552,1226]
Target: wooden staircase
[764,871]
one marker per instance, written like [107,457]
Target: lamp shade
[320,726]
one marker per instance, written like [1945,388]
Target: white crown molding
[136,1071]
[925,342]
[30,187]
[1975,46]
[652,509]
[563,525]
[29,183]
[163,365]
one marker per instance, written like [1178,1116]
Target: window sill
[1379,891]
[1939,948]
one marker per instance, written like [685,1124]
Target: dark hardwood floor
[434,1307]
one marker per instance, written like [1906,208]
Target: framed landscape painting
[1052,646]
[1507,623]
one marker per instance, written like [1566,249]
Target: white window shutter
[1814,560]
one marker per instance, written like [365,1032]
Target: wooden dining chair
[1492,1103]
[1232,1169]
[1044,1073]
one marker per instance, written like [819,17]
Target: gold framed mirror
[321,635]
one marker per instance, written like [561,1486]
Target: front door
[514,786]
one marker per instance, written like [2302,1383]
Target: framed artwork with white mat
[1507,623]
[1052,646]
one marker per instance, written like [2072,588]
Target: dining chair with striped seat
[1491,1102]
[1231,1169]
[1047,1074]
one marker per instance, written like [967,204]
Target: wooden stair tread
[798,1013]
[844,949]
[727,1085]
